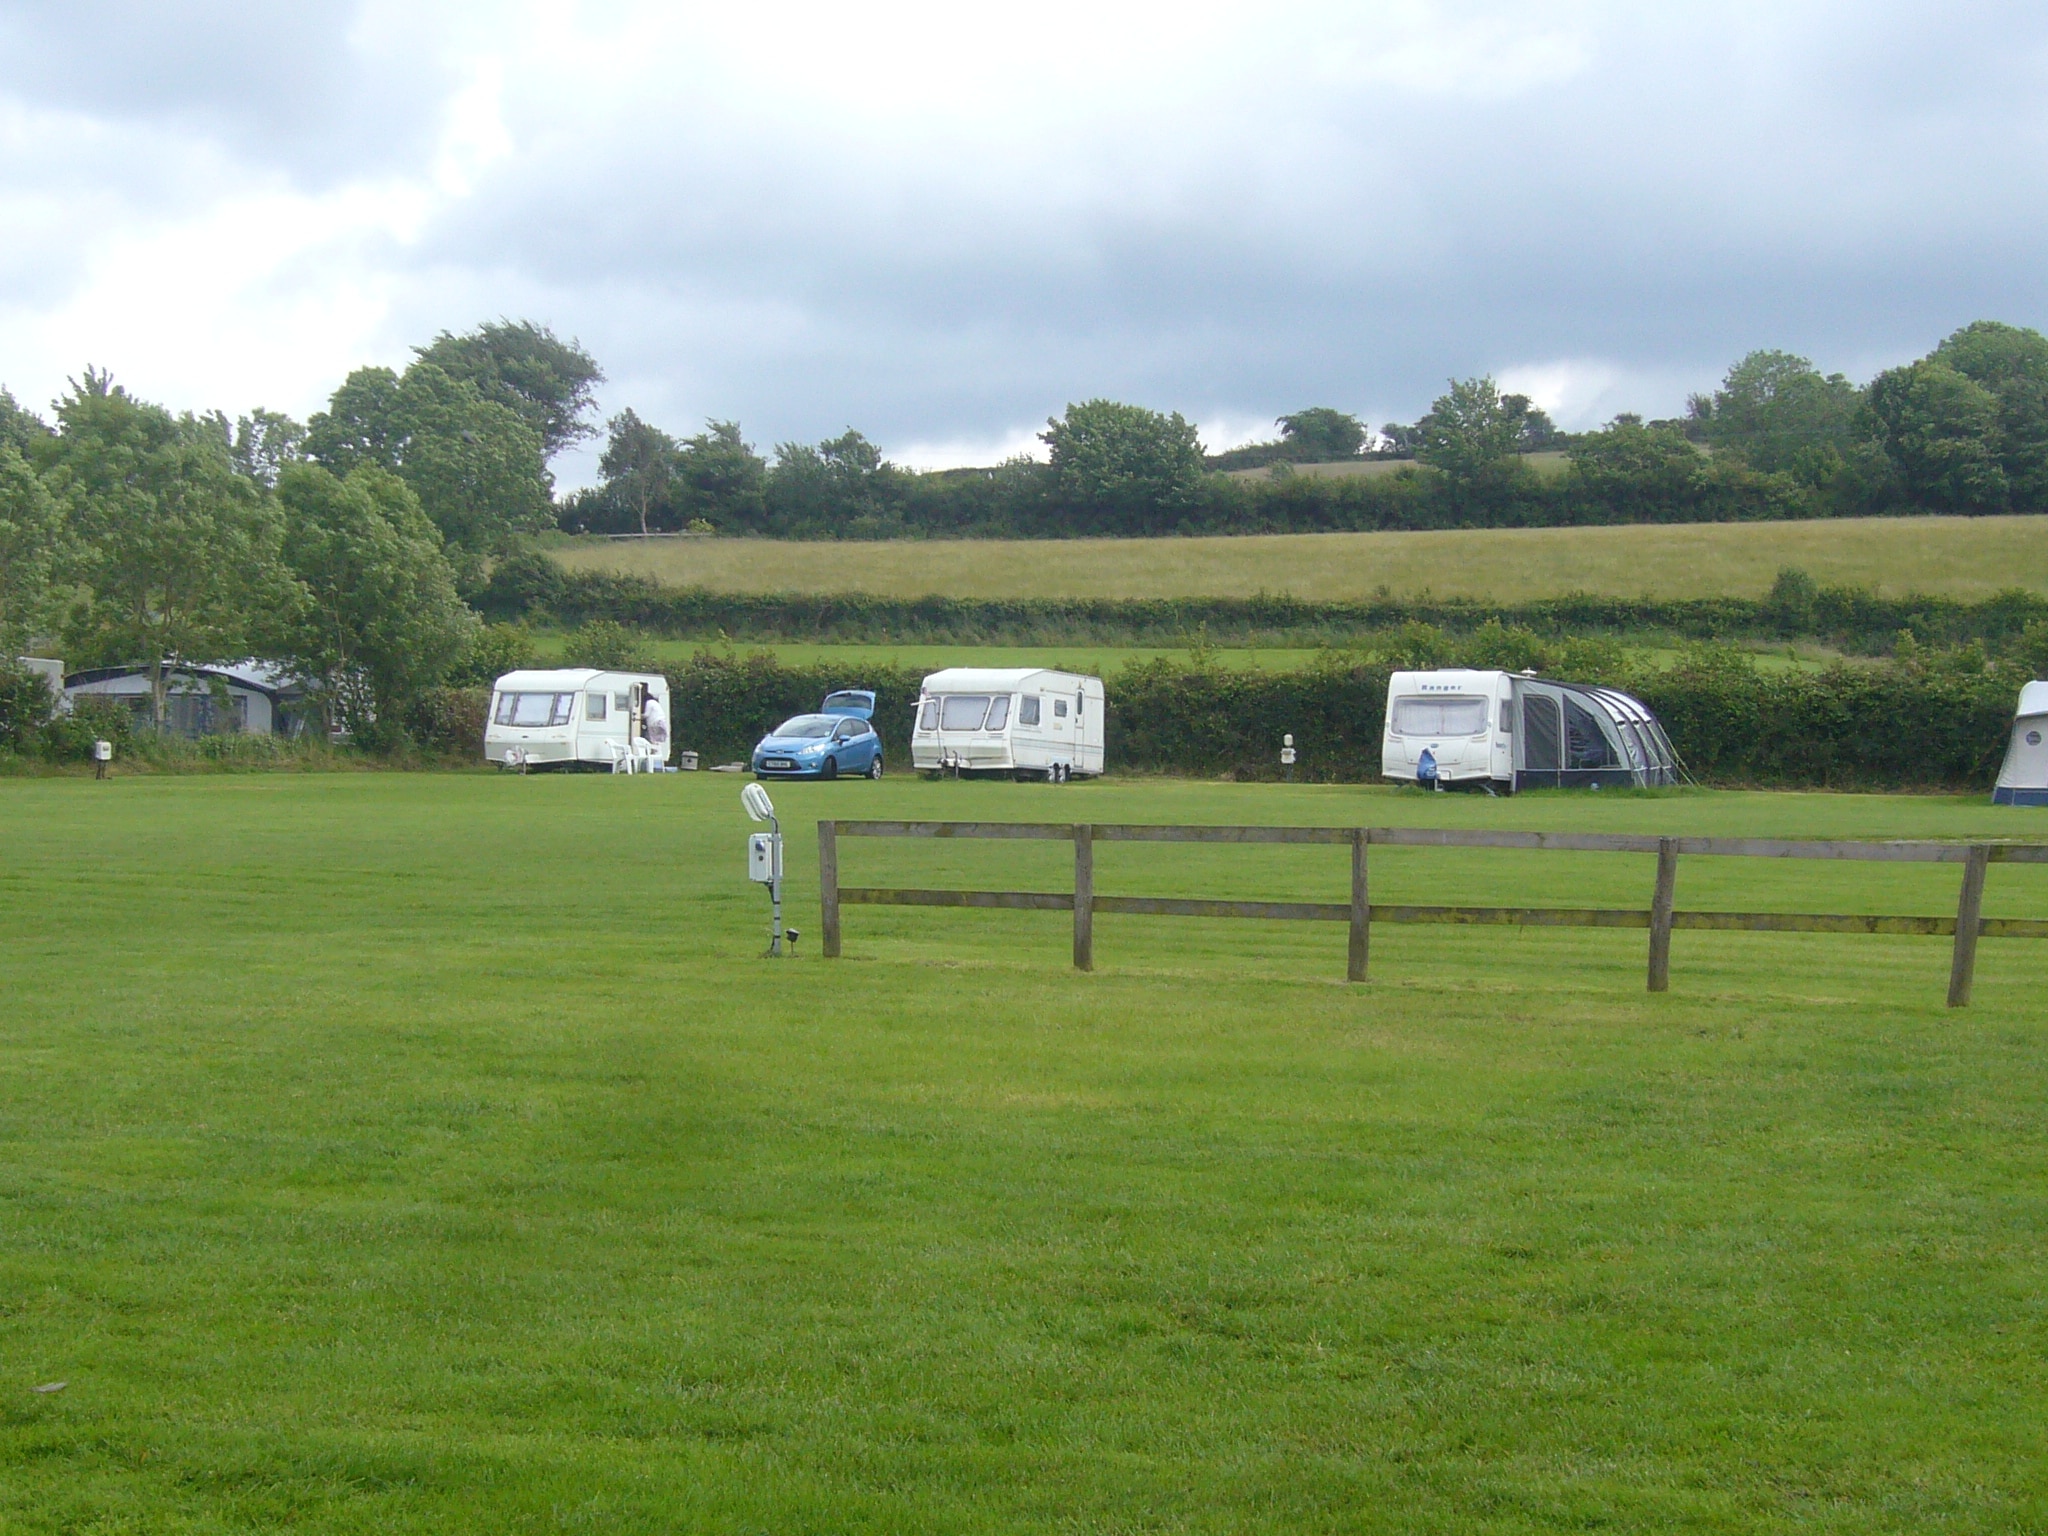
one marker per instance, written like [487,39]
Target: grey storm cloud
[942,230]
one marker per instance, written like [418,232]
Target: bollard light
[764,859]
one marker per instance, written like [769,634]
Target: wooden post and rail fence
[1661,917]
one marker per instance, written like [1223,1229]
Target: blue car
[839,739]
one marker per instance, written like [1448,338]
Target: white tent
[2024,778]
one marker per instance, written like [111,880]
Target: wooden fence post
[1969,914]
[1361,910]
[1660,914]
[828,885]
[1084,897]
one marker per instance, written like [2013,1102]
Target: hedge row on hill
[535,588]
[1887,727]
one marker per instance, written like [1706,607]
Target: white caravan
[1514,730]
[2024,778]
[575,715]
[1023,721]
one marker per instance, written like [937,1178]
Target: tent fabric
[2023,780]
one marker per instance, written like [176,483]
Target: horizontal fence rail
[1661,918]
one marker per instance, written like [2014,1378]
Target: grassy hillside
[410,1153]
[1081,656]
[1960,557]
[1548,464]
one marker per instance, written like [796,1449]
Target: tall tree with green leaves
[549,382]
[720,478]
[1124,469]
[2012,362]
[1469,431]
[1781,415]
[263,443]
[842,487]
[1940,430]
[31,542]
[381,621]
[19,429]
[179,552]
[639,463]
[475,464]
[1320,434]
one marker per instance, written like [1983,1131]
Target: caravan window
[593,706]
[1439,717]
[533,710]
[928,717]
[1059,708]
[1027,710]
[962,711]
[999,713]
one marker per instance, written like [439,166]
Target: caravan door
[1059,723]
[1542,742]
[1088,730]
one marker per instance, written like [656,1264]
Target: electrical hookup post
[764,864]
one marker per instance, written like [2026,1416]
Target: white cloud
[937,222]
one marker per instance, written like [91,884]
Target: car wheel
[875,768]
[830,770]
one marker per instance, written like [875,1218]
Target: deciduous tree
[720,478]
[381,621]
[638,464]
[1320,434]
[1940,429]
[31,539]
[180,554]
[1124,469]
[1468,431]
[2011,362]
[476,465]
[548,382]
[1782,415]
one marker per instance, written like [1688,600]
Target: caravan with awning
[1505,731]
[2024,778]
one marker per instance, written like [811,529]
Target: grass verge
[1963,557]
[431,1152]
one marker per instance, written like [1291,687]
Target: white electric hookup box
[764,857]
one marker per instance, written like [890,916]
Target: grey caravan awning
[1579,736]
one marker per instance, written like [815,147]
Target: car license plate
[777,762]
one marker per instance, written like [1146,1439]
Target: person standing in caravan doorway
[653,718]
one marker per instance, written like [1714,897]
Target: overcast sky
[942,223]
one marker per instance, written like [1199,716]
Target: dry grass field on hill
[1960,557]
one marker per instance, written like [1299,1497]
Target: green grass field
[1084,656]
[402,1153]
[1958,556]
